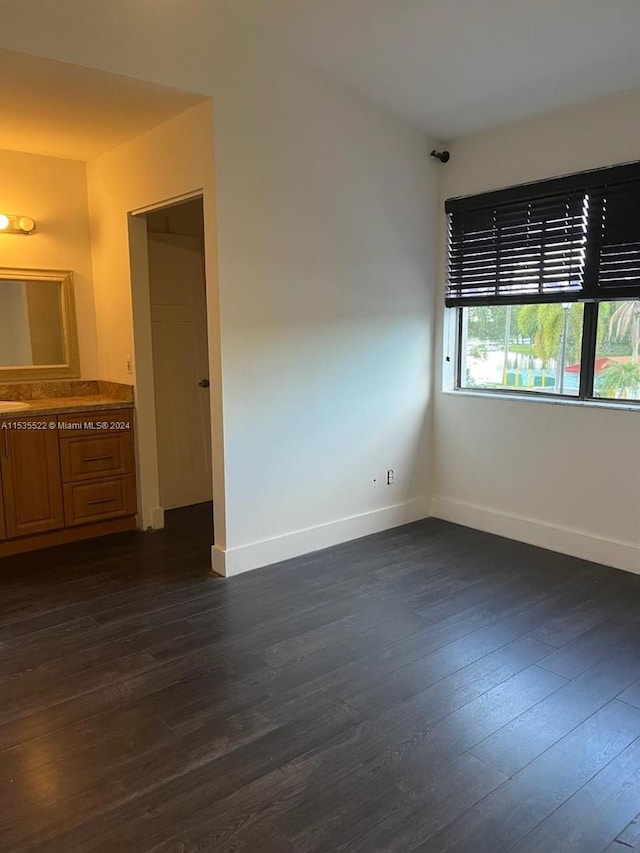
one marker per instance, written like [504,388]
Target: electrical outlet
[129,365]
[390,477]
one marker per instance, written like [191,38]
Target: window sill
[629,406]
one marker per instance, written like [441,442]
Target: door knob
[204,383]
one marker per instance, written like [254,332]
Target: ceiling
[451,67]
[63,110]
[457,66]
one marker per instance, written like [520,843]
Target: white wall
[169,161]
[54,193]
[561,476]
[325,210]
[166,163]
[326,274]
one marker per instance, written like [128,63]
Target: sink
[11,406]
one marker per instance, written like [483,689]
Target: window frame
[586,391]
[487,232]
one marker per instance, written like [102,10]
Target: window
[534,348]
[617,367]
[546,282]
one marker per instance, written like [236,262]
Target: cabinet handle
[6,443]
[101,501]
[98,458]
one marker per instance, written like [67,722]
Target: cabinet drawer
[94,423]
[86,502]
[87,458]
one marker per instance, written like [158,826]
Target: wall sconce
[11,224]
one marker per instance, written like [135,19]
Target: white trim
[539,397]
[218,560]
[577,543]
[449,349]
[170,202]
[157,518]
[243,558]
[145,407]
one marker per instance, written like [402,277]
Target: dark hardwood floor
[432,688]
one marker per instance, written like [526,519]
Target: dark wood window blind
[567,239]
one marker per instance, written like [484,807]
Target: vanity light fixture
[12,224]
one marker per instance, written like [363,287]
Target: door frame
[150,511]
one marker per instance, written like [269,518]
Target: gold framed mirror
[38,330]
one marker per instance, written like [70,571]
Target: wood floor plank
[448,791]
[586,822]
[579,655]
[293,650]
[630,835]
[23,696]
[317,822]
[81,707]
[93,756]
[428,688]
[329,677]
[514,809]
[576,619]
[455,675]
[100,789]
[183,782]
[529,735]
[69,655]
[632,694]
[244,838]
[445,737]
[303,780]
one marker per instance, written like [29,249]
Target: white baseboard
[151,518]
[243,558]
[218,560]
[576,543]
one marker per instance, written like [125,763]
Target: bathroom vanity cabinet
[65,477]
[31,482]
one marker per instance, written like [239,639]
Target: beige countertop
[60,405]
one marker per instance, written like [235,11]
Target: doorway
[179,341]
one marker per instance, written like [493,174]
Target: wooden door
[181,369]
[31,478]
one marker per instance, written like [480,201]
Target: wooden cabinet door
[3,531]
[31,478]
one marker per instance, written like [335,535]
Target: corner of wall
[244,558]
[575,543]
